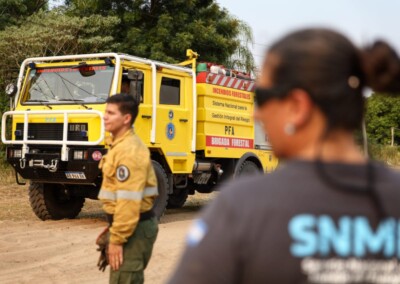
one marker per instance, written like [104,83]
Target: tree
[13,11]
[163,30]
[243,59]
[55,33]
[382,114]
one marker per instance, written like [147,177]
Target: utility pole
[392,130]
[365,138]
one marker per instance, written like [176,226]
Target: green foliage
[242,59]
[383,113]
[4,106]
[157,29]
[163,30]
[13,11]
[55,33]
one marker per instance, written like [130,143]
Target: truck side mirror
[11,90]
[86,70]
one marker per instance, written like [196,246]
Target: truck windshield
[69,85]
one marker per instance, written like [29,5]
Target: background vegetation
[383,113]
[157,29]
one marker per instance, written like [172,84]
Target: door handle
[183,120]
[146,116]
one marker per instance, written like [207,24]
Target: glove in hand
[102,242]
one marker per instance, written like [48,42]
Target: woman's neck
[337,146]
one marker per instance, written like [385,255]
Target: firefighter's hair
[334,72]
[126,104]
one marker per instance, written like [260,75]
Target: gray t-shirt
[292,226]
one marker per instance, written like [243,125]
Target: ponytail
[334,72]
[381,67]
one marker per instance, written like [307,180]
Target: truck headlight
[15,153]
[80,155]
[77,127]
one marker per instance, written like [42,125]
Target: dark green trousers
[137,252]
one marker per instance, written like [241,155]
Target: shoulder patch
[196,233]
[122,173]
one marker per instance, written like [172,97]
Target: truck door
[174,120]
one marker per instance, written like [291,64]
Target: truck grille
[50,131]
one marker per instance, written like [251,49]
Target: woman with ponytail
[328,215]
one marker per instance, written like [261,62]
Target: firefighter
[128,191]
[125,85]
[329,215]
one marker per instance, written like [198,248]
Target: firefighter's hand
[115,256]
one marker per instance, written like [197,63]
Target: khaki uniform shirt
[129,184]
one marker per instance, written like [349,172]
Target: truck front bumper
[48,168]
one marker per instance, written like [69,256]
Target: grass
[7,174]
[388,154]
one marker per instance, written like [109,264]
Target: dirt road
[33,251]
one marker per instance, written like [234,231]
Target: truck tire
[50,202]
[162,180]
[178,198]
[247,168]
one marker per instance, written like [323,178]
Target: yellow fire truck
[196,119]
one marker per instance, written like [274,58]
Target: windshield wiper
[40,101]
[76,101]
[70,100]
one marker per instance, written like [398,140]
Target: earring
[289,129]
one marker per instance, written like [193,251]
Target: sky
[363,21]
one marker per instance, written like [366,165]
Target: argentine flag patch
[196,233]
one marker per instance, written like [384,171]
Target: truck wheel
[51,202]
[178,198]
[162,180]
[247,168]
